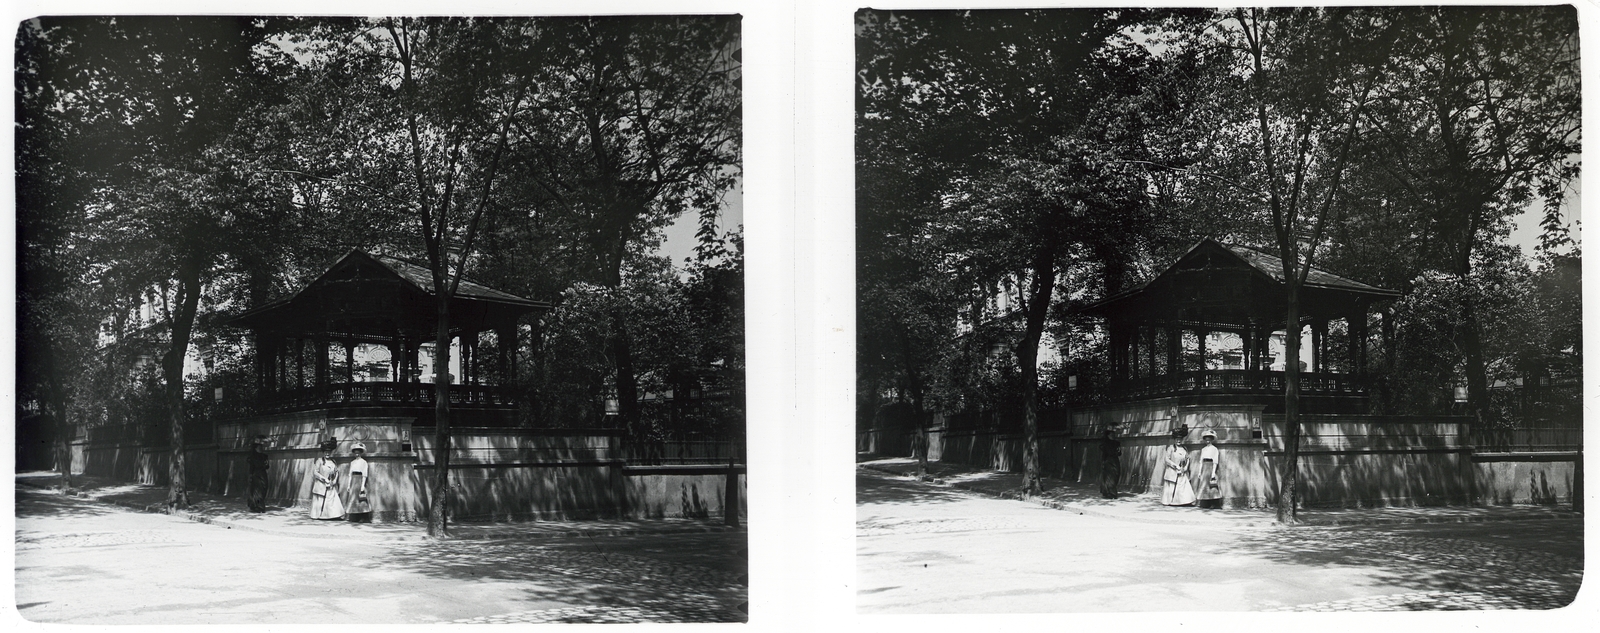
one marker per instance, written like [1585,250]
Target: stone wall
[1527,478]
[1374,461]
[498,474]
[655,492]
[519,474]
[1346,460]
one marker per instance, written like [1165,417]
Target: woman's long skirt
[359,508]
[257,501]
[1178,493]
[1110,473]
[327,506]
[1210,494]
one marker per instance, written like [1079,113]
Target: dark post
[1150,348]
[397,353]
[320,347]
[1319,345]
[1132,351]
[349,361]
[730,496]
[1174,337]
[299,362]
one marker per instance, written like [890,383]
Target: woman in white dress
[359,508]
[1210,493]
[1175,487]
[325,502]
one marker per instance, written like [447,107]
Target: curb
[508,534]
[1355,522]
[1423,520]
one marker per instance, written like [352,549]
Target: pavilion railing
[387,393]
[1237,381]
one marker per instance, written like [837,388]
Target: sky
[679,242]
[1527,230]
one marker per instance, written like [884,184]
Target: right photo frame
[1194,309]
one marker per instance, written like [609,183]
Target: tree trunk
[182,326]
[627,382]
[914,389]
[63,440]
[1044,281]
[1470,335]
[439,505]
[1386,389]
[1477,373]
[1288,484]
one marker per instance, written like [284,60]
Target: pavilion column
[474,358]
[349,361]
[413,363]
[1174,335]
[1247,339]
[1319,346]
[1150,347]
[1122,352]
[281,371]
[266,357]
[508,341]
[320,347]
[1131,339]
[1133,352]
[500,364]
[1263,346]
[1118,353]
[469,358]
[1200,345]
[1357,326]
[397,349]
[299,363]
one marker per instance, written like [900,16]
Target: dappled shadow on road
[1527,578]
[593,574]
[878,488]
[42,503]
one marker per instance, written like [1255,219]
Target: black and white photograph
[1188,309]
[380,320]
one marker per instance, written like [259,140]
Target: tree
[1034,116]
[1311,74]
[148,99]
[1480,120]
[640,122]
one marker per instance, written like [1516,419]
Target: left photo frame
[408,302]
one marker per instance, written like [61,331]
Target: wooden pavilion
[1204,330]
[389,303]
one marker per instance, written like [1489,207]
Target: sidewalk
[1084,498]
[231,513]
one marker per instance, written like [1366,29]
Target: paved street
[925,548]
[83,562]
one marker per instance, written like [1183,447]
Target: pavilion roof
[1272,265]
[1256,278]
[468,289]
[406,287]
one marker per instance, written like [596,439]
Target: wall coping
[1542,456]
[556,463]
[682,469]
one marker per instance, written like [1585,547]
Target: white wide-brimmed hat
[1208,433]
[358,446]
